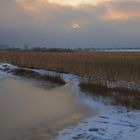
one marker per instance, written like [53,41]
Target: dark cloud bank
[39,23]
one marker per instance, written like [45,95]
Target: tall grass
[108,65]
[116,94]
[35,75]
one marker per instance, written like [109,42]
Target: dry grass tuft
[32,74]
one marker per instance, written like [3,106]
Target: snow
[4,66]
[110,123]
[106,123]
[66,77]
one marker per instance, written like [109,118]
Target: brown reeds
[117,95]
[108,65]
[35,75]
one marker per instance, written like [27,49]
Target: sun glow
[74,2]
[75,26]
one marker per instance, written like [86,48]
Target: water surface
[29,112]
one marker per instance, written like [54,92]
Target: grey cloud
[50,24]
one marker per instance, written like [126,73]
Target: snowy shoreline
[112,123]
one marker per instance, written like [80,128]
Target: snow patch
[4,66]
[8,68]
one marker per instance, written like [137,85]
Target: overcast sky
[70,23]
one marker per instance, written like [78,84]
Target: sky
[70,23]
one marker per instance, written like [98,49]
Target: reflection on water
[30,112]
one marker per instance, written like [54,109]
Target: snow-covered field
[110,123]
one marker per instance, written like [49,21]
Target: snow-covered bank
[4,66]
[5,70]
[111,123]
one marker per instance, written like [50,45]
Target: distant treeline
[40,49]
[37,49]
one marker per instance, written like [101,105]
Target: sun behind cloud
[74,2]
[75,26]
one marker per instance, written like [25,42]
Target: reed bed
[108,65]
[114,93]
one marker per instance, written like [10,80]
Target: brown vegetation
[108,65]
[35,75]
[122,96]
